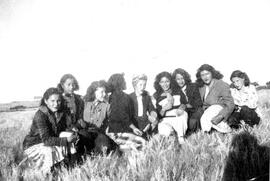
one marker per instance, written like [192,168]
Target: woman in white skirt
[170,104]
[43,146]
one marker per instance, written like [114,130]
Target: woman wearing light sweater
[218,103]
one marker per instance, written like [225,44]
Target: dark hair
[182,72]
[242,75]
[247,159]
[116,82]
[215,74]
[90,93]
[63,80]
[50,92]
[159,76]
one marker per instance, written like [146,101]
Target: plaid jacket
[46,127]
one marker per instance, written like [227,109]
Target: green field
[202,157]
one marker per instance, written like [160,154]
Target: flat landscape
[202,157]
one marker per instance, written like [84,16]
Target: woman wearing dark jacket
[171,105]
[43,147]
[192,95]
[145,116]
[121,127]
[73,103]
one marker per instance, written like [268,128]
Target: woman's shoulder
[41,113]
[221,83]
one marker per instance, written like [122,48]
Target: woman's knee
[165,129]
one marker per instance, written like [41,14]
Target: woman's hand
[152,117]
[137,132]
[72,139]
[179,111]
[189,106]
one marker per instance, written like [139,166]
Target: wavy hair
[158,88]
[242,75]
[90,93]
[182,72]
[116,82]
[215,74]
[63,80]
[48,93]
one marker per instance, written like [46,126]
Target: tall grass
[201,158]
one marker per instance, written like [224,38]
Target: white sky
[42,40]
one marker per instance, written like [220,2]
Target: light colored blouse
[96,113]
[247,96]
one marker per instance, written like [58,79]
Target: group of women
[67,126]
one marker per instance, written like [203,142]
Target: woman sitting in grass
[217,99]
[171,105]
[192,95]
[43,148]
[73,103]
[121,127]
[96,115]
[245,100]
[145,115]
[91,141]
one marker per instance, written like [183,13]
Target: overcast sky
[42,40]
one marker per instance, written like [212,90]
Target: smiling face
[238,82]
[140,86]
[165,83]
[53,102]
[180,80]
[206,77]
[100,94]
[69,86]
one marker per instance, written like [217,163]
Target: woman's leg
[179,125]
[249,116]
[208,115]
[194,121]
[234,120]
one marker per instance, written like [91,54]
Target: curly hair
[116,83]
[182,72]
[215,74]
[48,93]
[90,93]
[158,88]
[242,75]
[63,80]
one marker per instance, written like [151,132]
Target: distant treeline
[18,105]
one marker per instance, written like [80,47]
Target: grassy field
[202,157]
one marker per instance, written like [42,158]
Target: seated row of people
[100,121]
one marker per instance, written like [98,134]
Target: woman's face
[238,82]
[180,80]
[53,102]
[100,93]
[206,76]
[69,86]
[140,86]
[164,83]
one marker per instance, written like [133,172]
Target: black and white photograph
[135,90]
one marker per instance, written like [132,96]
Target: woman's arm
[226,100]
[46,133]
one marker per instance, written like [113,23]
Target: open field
[202,157]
